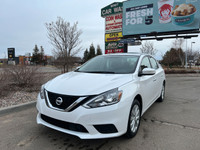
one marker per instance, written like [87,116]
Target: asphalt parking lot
[171,125]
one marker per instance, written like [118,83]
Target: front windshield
[111,64]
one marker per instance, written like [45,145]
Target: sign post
[11,56]
[112,9]
[113,28]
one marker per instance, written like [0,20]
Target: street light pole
[186,56]
[191,52]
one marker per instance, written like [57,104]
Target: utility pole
[186,56]
[191,57]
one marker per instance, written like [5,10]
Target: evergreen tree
[42,56]
[86,55]
[41,51]
[36,55]
[99,52]
[171,58]
[91,52]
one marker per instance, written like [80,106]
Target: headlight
[42,92]
[108,98]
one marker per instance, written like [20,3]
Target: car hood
[83,84]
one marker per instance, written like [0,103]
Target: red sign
[114,23]
[110,51]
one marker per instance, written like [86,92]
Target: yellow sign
[113,36]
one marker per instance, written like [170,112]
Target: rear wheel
[162,95]
[134,119]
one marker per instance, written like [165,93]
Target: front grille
[64,125]
[106,128]
[67,100]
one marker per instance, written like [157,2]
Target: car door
[147,84]
[157,78]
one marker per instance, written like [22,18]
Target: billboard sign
[113,23]
[11,53]
[113,36]
[148,16]
[114,8]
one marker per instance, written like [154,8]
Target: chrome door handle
[154,80]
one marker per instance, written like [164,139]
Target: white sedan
[104,98]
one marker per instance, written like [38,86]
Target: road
[171,125]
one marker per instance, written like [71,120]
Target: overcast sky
[22,24]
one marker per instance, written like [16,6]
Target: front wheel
[134,119]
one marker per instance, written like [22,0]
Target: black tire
[130,131]
[162,94]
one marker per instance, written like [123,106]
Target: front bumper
[116,115]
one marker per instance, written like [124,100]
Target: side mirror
[77,68]
[148,71]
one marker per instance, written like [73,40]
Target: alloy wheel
[135,118]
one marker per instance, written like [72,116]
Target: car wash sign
[113,17]
[114,8]
[113,23]
[113,27]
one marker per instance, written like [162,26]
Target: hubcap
[135,118]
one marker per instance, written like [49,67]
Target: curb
[16,108]
[183,75]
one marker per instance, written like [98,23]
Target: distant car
[104,98]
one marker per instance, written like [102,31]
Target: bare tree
[193,56]
[66,41]
[197,63]
[24,76]
[177,44]
[148,48]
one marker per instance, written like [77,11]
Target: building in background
[3,61]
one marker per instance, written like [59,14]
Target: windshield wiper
[106,72]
